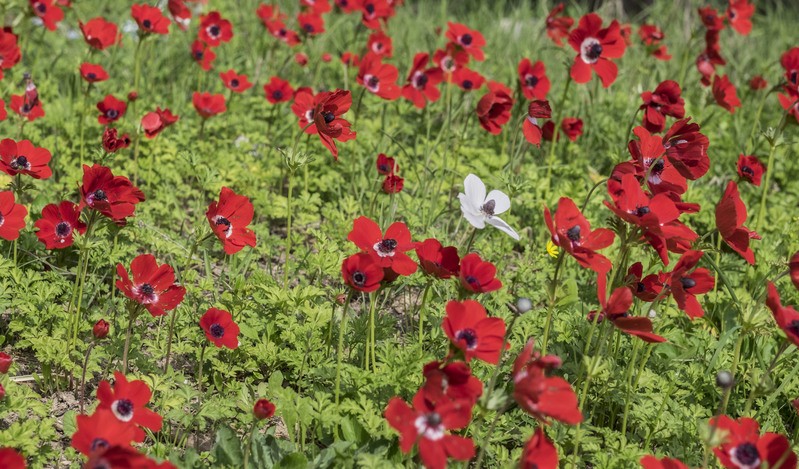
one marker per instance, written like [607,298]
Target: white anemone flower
[479,208]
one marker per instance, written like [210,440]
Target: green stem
[421,314]
[128,333]
[481,455]
[495,373]
[628,387]
[751,399]
[372,309]
[200,367]
[288,229]
[556,131]
[340,349]
[84,104]
[83,376]
[175,312]
[80,279]
[551,307]
[761,213]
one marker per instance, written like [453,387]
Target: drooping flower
[127,401]
[572,127]
[595,46]
[113,196]
[229,219]
[220,328]
[725,93]
[531,129]
[472,332]
[24,158]
[479,208]
[207,104]
[616,309]
[787,317]
[361,272]
[154,122]
[12,216]
[730,217]
[539,452]
[102,430]
[214,29]
[558,26]
[533,79]
[388,251]
[235,82]
[393,184]
[686,148]
[477,275]
[58,225]
[450,381]
[494,108]
[664,101]
[151,20]
[436,260]
[744,447]
[152,286]
[112,142]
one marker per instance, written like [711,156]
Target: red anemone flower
[539,452]
[787,317]
[616,309]
[46,10]
[450,381]
[379,78]
[790,62]
[235,82]
[470,40]
[750,169]
[494,108]
[278,90]
[181,14]
[472,332]
[3,112]
[123,457]
[467,79]
[350,59]
[436,260]
[744,447]
[393,184]
[572,127]
[477,275]
[725,93]
[112,142]
[99,33]
[423,82]
[386,165]
[207,104]
[229,219]
[571,231]
[102,430]
[450,59]
[23,158]
[711,19]
[111,110]
[789,103]
[758,83]
[686,148]
[651,36]
[644,288]
[595,46]
[154,122]
[151,20]
[10,459]
[533,78]
[427,426]
[664,101]
[100,329]
[544,397]
[58,225]
[127,400]
[531,130]
[316,6]
[651,462]
[388,251]
[372,11]
[202,54]
[730,217]
[25,109]
[93,73]
[9,50]
[113,196]
[686,285]
[220,328]
[739,14]
[12,216]
[648,160]
[558,26]
[311,23]
[379,44]
[5,362]
[152,286]
[263,409]
[361,272]
[214,29]
[330,105]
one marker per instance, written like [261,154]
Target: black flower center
[99,194]
[98,444]
[640,287]
[370,8]
[62,230]
[793,327]
[329,117]
[217,331]
[658,167]
[433,419]
[469,336]
[41,7]
[214,30]
[277,94]
[687,282]
[488,207]
[147,24]
[387,245]
[112,113]
[222,221]
[124,407]
[359,278]
[531,81]
[20,162]
[421,80]
[574,233]
[466,39]
[641,211]
[747,170]
[91,75]
[147,289]
[234,83]
[26,108]
[308,27]
[372,82]
[747,454]
[198,54]
[793,77]
[594,51]
[467,84]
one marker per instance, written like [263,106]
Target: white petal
[476,220]
[475,190]
[467,205]
[501,201]
[501,225]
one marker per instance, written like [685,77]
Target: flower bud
[133,96]
[523,305]
[341,298]
[100,329]
[263,409]
[724,379]
[5,362]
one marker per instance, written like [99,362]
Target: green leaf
[293,461]
[227,448]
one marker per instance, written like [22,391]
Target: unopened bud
[100,329]
[724,379]
[523,305]
[263,409]
[5,362]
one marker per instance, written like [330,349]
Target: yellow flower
[552,249]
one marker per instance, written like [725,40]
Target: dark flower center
[370,8]
[574,233]
[124,407]
[387,245]
[26,108]
[217,331]
[793,77]
[198,54]
[277,94]
[421,80]
[372,82]
[62,230]
[466,39]
[433,419]
[329,117]
[467,84]
[488,207]
[469,336]
[223,221]
[658,167]
[112,113]
[91,75]
[359,278]
[20,162]
[594,51]
[99,194]
[98,444]
[747,170]
[793,327]
[747,454]
[1,219]
[531,81]
[147,24]
[641,211]
[687,282]
[640,287]
[234,83]
[214,30]
[147,289]
[308,27]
